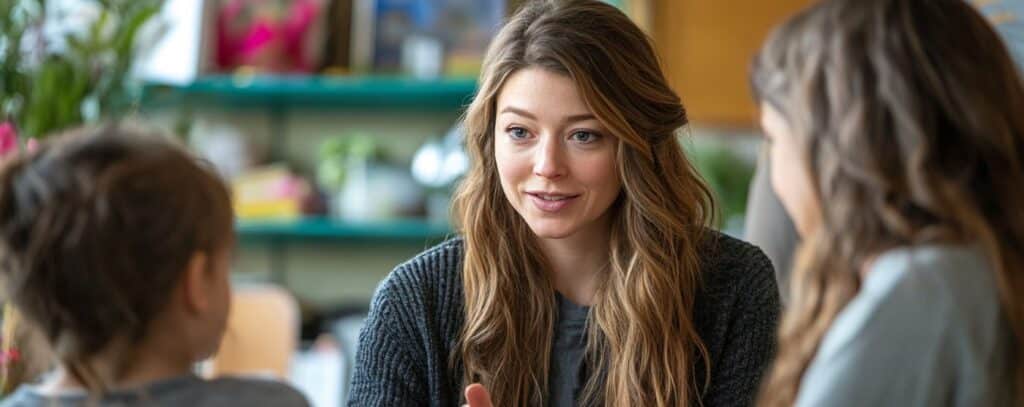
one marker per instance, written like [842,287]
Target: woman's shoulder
[737,281]
[429,285]
[730,262]
[444,255]
[929,305]
[947,283]
[433,270]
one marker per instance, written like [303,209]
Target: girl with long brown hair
[585,273]
[897,146]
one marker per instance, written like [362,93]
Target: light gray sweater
[925,330]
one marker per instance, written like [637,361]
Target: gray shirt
[568,372]
[925,330]
[189,391]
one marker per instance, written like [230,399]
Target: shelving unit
[327,229]
[279,234]
[279,95]
[348,92]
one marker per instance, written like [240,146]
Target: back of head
[910,118]
[96,229]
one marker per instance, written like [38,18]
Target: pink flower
[32,145]
[8,139]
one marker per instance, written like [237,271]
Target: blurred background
[336,123]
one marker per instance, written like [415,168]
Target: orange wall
[706,47]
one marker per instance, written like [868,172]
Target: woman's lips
[551,203]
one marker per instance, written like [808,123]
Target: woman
[768,225]
[897,147]
[585,273]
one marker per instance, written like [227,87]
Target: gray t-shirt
[568,373]
[189,391]
[926,329]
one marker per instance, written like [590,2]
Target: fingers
[478,396]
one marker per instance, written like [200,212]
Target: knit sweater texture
[417,313]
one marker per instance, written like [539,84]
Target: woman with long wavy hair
[585,273]
[897,145]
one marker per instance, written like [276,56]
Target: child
[897,146]
[115,245]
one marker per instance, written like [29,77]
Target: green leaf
[50,97]
[77,46]
[126,38]
[96,31]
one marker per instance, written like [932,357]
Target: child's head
[112,237]
[892,123]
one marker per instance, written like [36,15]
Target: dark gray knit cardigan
[417,312]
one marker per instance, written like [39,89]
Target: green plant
[728,175]
[338,153]
[65,65]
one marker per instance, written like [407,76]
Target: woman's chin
[546,230]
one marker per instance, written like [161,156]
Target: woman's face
[556,162]
[790,179]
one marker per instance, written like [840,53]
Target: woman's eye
[585,137]
[518,133]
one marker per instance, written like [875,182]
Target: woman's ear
[194,285]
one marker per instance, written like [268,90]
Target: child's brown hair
[96,229]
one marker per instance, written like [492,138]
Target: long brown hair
[96,228]
[642,342]
[910,114]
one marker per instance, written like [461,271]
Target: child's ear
[195,282]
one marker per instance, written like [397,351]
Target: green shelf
[371,92]
[331,229]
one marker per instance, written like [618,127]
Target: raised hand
[478,396]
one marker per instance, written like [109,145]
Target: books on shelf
[423,38]
[337,54]
[384,30]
